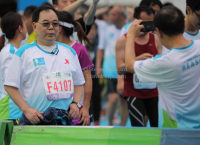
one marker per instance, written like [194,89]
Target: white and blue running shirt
[8,109]
[186,35]
[168,104]
[108,44]
[29,64]
[177,77]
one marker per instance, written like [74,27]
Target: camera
[148,26]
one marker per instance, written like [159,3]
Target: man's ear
[20,29]
[159,33]
[60,29]
[34,26]
[55,7]
[188,10]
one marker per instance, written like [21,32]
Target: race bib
[58,85]
[139,85]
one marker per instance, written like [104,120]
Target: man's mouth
[51,34]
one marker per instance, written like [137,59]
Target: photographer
[176,73]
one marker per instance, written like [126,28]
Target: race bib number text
[58,85]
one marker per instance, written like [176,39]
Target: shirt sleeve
[5,62]
[78,77]
[84,60]
[148,71]
[14,72]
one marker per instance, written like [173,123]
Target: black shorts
[111,86]
[138,108]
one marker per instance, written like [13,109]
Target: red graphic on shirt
[67,61]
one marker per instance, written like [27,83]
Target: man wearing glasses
[192,20]
[39,70]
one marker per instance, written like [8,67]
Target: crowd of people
[57,64]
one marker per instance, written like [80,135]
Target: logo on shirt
[68,74]
[150,44]
[58,74]
[66,61]
[38,61]
[140,65]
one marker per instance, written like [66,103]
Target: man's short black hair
[55,2]
[29,11]
[151,3]
[36,13]
[145,3]
[139,10]
[7,6]
[193,4]
[167,4]
[156,2]
[170,20]
[47,4]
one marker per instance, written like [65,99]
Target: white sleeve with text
[148,71]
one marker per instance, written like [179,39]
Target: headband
[66,24]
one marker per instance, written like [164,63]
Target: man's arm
[74,6]
[78,93]
[120,55]
[158,45]
[32,115]
[83,116]
[130,48]
[101,11]
[87,88]
[74,110]
[99,58]
[89,15]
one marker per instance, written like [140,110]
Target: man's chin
[51,39]
[142,35]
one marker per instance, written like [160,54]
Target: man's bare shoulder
[121,43]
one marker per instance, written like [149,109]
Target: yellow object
[31,38]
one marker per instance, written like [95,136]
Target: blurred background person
[156,5]
[130,14]
[96,86]
[67,26]
[27,17]
[142,98]
[72,6]
[14,29]
[7,6]
[107,44]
